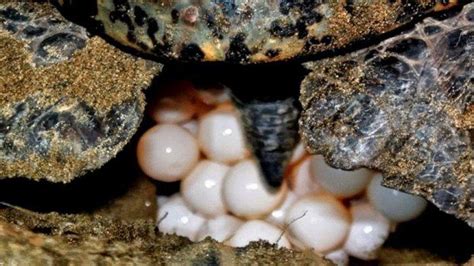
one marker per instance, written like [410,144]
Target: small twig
[285,228]
[18,208]
[161,219]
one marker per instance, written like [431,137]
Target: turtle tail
[267,98]
[271,128]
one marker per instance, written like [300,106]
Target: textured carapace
[404,107]
[243,31]
[55,122]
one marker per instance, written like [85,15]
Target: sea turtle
[256,47]
[248,40]
[248,32]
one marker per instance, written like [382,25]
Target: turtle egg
[300,179]
[214,96]
[202,188]
[277,216]
[167,152]
[192,126]
[220,228]
[175,103]
[161,200]
[174,217]
[369,230]
[246,193]
[221,137]
[319,221]
[338,257]
[298,153]
[340,183]
[397,206]
[258,230]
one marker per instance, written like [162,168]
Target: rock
[69,102]
[404,107]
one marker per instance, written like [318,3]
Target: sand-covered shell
[68,102]
[243,31]
[404,107]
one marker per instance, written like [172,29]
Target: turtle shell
[55,122]
[243,31]
[404,107]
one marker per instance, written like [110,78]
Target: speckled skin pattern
[273,129]
[55,122]
[404,107]
[238,31]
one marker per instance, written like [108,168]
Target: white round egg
[319,222]
[214,96]
[192,126]
[202,188]
[278,215]
[246,193]
[299,153]
[369,230]
[175,217]
[220,228]
[301,181]
[340,183]
[338,257]
[167,152]
[221,137]
[393,204]
[175,103]
[256,230]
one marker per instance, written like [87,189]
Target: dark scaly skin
[243,33]
[404,107]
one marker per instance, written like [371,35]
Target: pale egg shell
[340,183]
[299,153]
[192,126]
[167,152]
[177,102]
[220,228]
[369,230]
[221,137]
[256,230]
[338,257]
[202,188]
[397,206]
[277,216]
[301,181]
[214,96]
[161,200]
[319,222]
[246,193]
[175,217]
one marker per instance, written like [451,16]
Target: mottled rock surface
[404,107]
[243,31]
[68,103]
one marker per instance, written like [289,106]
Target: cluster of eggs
[198,140]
